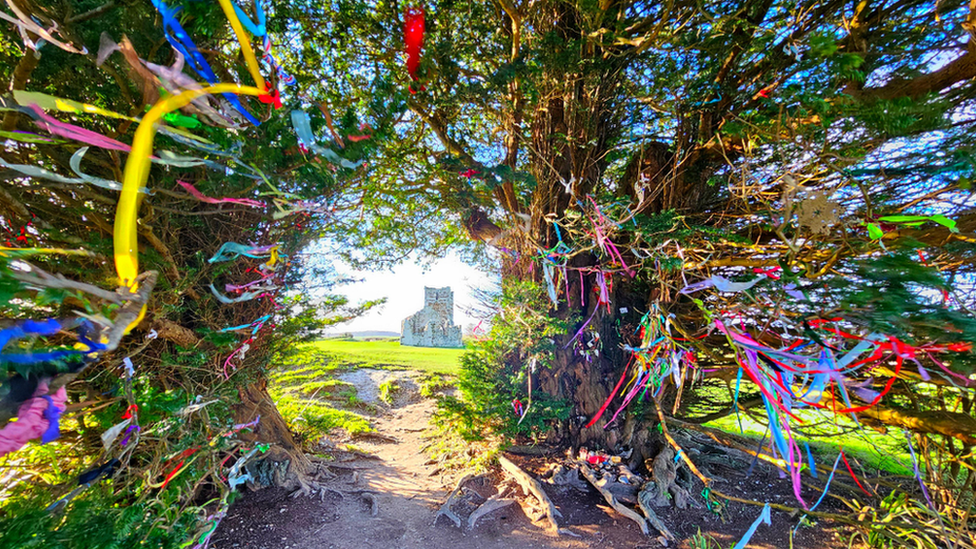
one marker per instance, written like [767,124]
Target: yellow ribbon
[274,258]
[137,173]
[242,37]
[52,103]
[16,252]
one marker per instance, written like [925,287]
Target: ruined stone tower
[433,326]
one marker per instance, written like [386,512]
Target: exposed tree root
[491,504]
[374,506]
[375,436]
[445,509]
[534,487]
[643,500]
[664,474]
[601,486]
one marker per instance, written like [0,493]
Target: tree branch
[90,14]
[951,424]
[962,68]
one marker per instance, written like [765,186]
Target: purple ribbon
[52,414]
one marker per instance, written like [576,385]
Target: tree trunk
[285,464]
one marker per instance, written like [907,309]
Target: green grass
[314,403]
[311,400]
[389,354]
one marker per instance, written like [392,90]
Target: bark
[960,69]
[173,332]
[22,72]
[285,464]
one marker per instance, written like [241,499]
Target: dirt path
[408,489]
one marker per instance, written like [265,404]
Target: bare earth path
[408,490]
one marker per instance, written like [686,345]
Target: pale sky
[404,290]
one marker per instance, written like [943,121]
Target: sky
[404,290]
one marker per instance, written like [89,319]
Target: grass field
[388,353]
[314,402]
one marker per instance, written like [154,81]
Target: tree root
[534,487]
[643,500]
[611,499]
[445,509]
[375,436]
[664,474]
[491,504]
[374,506]
[306,487]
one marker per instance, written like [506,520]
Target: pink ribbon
[70,131]
[203,198]
[31,422]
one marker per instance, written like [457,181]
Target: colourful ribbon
[181,41]
[764,517]
[137,173]
[201,197]
[413,39]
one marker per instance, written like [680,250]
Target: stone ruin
[433,326]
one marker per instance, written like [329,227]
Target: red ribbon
[413,39]
[129,410]
[612,394]
[182,457]
[853,476]
[770,272]
[271,97]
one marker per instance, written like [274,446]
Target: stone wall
[433,326]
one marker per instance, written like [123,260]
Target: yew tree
[646,146]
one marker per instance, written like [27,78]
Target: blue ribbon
[53,415]
[29,327]
[233,250]
[256,325]
[303,127]
[181,41]
[45,328]
[813,465]
[247,296]
[257,29]
[763,517]
[827,486]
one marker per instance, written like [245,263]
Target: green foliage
[656,228]
[497,370]
[899,521]
[895,294]
[432,383]
[310,399]
[703,541]
[97,518]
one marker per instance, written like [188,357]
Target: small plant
[494,376]
[389,390]
[431,384]
[703,541]
[899,521]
